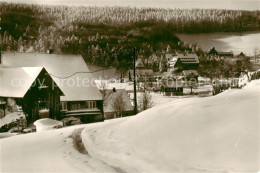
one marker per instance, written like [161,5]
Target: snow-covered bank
[212,134]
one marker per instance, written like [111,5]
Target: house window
[64,105]
[91,104]
[43,103]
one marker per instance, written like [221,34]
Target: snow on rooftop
[15,82]
[78,87]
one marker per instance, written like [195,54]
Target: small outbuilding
[117,104]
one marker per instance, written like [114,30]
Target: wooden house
[81,98]
[214,52]
[33,89]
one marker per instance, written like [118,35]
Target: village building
[31,88]
[241,55]
[118,104]
[179,62]
[228,54]
[81,97]
[188,61]
[172,88]
[218,54]
[142,73]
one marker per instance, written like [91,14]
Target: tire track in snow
[79,146]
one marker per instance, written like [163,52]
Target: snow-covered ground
[49,151]
[210,134]
[7,134]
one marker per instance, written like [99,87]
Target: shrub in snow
[71,121]
[13,120]
[145,101]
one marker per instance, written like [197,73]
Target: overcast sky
[219,4]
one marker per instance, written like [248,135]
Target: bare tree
[244,66]
[104,92]
[145,101]
[118,104]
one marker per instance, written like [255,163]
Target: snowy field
[212,134]
[209,134]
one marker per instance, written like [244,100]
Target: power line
[89,71]
[81,72]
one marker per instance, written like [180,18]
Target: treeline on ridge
[106,35]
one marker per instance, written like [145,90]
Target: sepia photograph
[129,86]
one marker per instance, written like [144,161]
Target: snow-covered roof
[60,66]
[53,63]
[81,91]
[15,82]
[113,95]
[188,58]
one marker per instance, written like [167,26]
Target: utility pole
[2,102]
[135,99]
[0,48]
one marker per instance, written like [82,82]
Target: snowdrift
[213,134]
[47,124]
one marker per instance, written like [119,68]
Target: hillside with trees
[105,36]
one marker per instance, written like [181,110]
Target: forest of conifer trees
[105,35]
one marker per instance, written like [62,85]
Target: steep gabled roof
[213,51]
[139,63]
[60,66]
[15,82]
